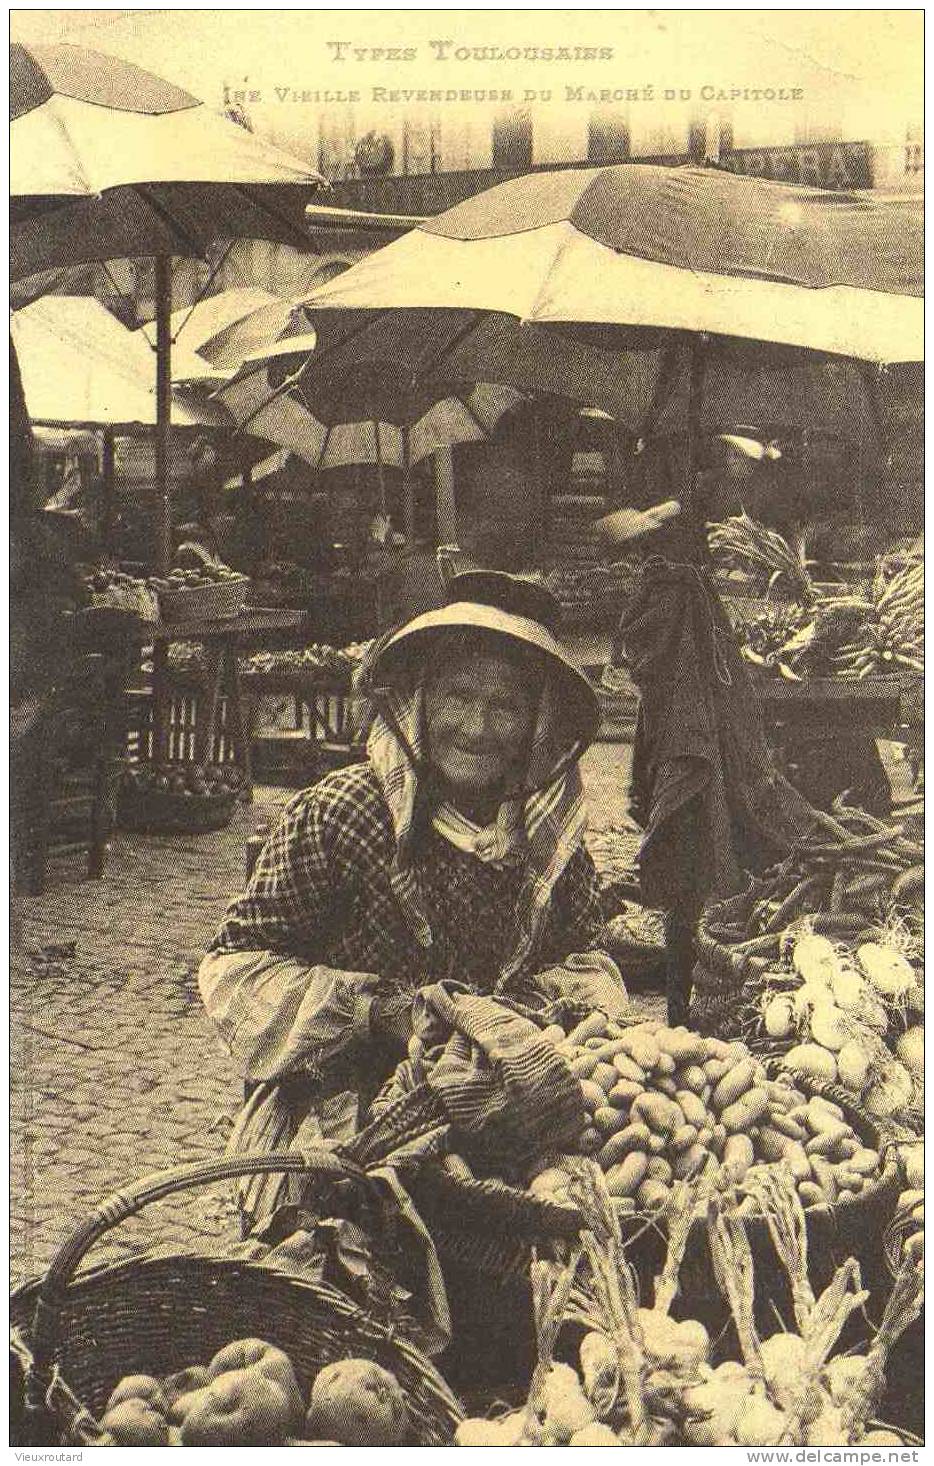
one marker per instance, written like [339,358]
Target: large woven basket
[78,1334]
[727,959]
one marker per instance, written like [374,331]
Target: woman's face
[479,718]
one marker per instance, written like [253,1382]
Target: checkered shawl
[546,825]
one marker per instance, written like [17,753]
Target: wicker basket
[727,959]
[218,600]
[162,811]
[78,1335]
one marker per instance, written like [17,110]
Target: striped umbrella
[108,161]
[674,298]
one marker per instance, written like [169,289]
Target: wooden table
[221,641]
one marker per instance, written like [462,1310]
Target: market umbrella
[81,366]
[226,328]
[109,161]
[674,298]
[382,417]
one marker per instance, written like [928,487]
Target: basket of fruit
[160,1349]
[122,592]
[184,797]
[213,592]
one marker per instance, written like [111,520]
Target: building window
[608,138]
[512,142]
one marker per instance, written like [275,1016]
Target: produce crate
[219,600]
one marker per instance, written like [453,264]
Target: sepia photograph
[466,730]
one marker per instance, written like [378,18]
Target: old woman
[453,853]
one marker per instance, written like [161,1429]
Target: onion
[829,1429]
[811,1061]
[759,1423]
[565,1406]
[778,1017]
[783,1357]
[842,1375]
[853,1065]
[815,959]
[913,1158]
[910,1049]
[890,973]
[874,1012]
[849,988]
[829,1026]
[891,1092]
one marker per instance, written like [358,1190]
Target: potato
[627,1068]
[811,1194]
[744,1112]
[625,1092]
[627,1176]
[684,1137]
[652,1195]
[609,1120]
[643,1049]
[665,1084]
[658,1112]
[690,1163]
[658,1169]
[824,1176]
[738,1155]
[693,1078]
[594,1094]
[692,1108]
[771,1143]
[359,1403]
[617,1146]
[735,1083]
[605,1075]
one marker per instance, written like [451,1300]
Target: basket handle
[126,1203]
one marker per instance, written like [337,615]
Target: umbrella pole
[446,499]
[108,507]
[695,406]
[163,284]
[408,494]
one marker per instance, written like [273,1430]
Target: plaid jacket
[292,972]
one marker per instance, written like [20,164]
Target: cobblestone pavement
[115,1070]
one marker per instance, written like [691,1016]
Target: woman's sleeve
[275,1007]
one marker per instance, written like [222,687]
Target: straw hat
[517,614]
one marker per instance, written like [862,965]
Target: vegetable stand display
[837,664]
[221,640]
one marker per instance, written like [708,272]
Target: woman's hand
[590,980]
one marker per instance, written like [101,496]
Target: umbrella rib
[205,288]
[191,245]
[324,446]
[279,391]
[432,357]
[63,129]
[257,203]
[325,351]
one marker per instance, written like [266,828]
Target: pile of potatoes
[666,1104]
[249,1395]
